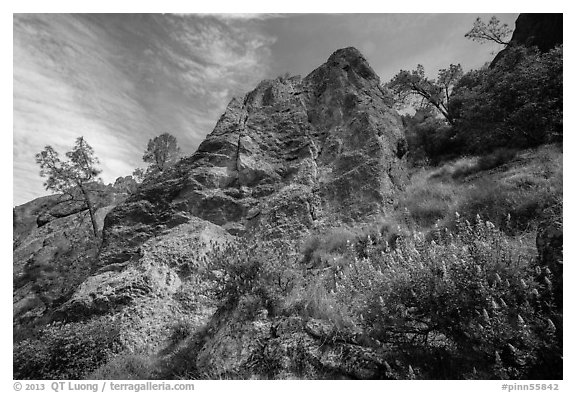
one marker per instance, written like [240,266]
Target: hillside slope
[296,243]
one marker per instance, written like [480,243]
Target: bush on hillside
[465,307]
[517,103]
[67,350]
[265,272]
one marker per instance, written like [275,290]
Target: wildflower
[524,285]
[538,270]
[485,315]
[535,292]
[551,327]
[411,374]
[495,305]
[497,359]
[521,320]
[388,368]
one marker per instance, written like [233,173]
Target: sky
[122,79]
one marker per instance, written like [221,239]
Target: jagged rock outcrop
[54,249]
[154,273]
[541,30]
[290,154]
[51,261]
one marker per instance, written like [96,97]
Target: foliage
[426,203]
[266,271]
[66,350]
[494,31]
[517,103]
[79,169]
[429,138]
[514,197]
[409,84]
[161,152]
[465,306]
[499,157]
[318,248]
[127,366]
[71,175]
[470,304]
[139,175]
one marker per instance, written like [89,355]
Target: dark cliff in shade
[541,30]
[287,156]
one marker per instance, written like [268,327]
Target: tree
[71,176]
[161,151]
[494,31]
[139,175]
[517,103]
[409,84]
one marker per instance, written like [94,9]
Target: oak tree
[407,85]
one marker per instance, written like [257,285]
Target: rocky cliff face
[54,249]
[293,155]
[287,156]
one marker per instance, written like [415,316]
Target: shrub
[517,103]
[510,208]
[489,161]
[428,202]
[266,271]
[180,330]
[429,138]
[127,366]
[470,304]
[319,247]
[67,350]
[464,306]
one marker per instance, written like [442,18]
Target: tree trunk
[90,209]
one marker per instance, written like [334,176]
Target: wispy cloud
[237,16]
[119,80]
[122,79]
